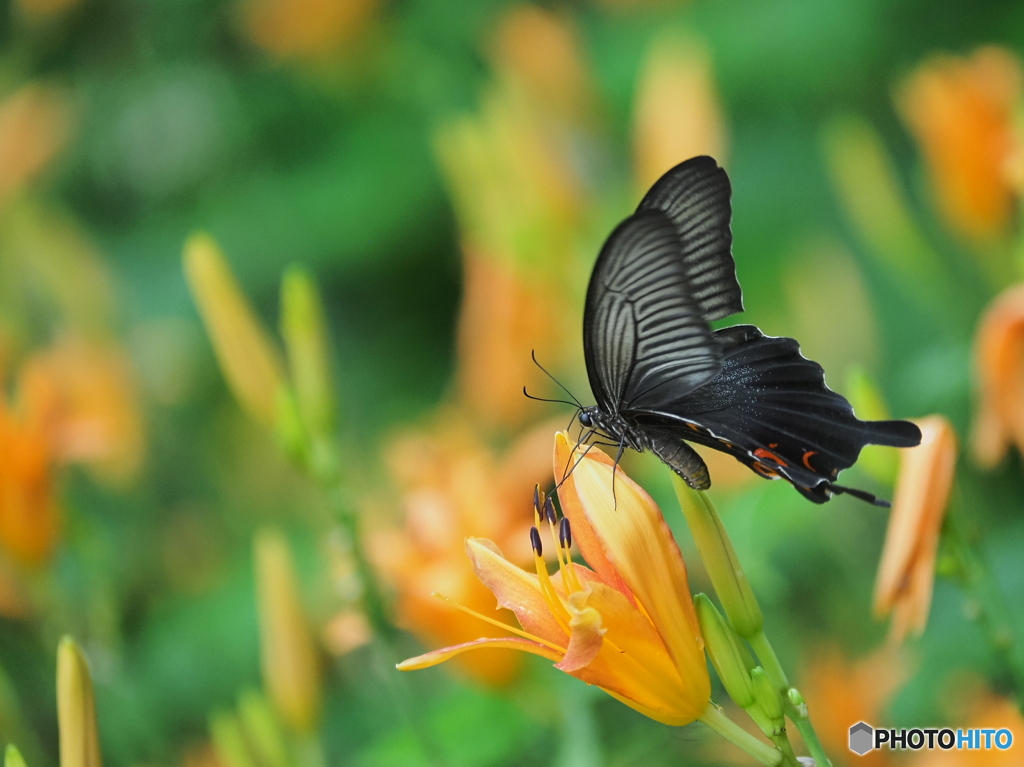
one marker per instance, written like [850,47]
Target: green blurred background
[384,146]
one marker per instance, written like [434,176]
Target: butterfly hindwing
[695,195]
[643,332]
[769,407]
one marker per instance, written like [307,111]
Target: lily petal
[516,590]
[637,543]
[631,661]
[907,567]
[584,536]
[587,634]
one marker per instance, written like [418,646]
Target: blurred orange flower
[28,509]
[503,316]
[983,710]
[999,360]
[628,625]
[519,204]
[34,123]
[305,28]
[75,403]
[846,690]
[452,487]
[907,569]
[962,112]
[87,393]
[678,114]
[542,50]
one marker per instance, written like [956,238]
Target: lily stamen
[547,588]
[499,624]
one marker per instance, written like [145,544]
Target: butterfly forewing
[695,195]
[643,332]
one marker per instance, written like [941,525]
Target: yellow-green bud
[247,357]
[797,701]
[229,740]
[13,758]
[304,329]
[720,559]
[291,431]
[76,708]
[767,697]
[262,729]
[722,646]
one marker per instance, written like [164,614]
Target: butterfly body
[662,377]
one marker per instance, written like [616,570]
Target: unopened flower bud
[767,697]
[720,559]
[304,329]
[12,757]
[722,646]
[76,708]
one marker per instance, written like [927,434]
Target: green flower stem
[714,718]
[769,660]
[372,595]
[796,710]
[741,607]
[974,571]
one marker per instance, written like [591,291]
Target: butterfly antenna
[861,494]
[543,399]
[533,355]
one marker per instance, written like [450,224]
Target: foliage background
[307,132]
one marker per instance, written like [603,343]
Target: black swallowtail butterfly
[662,377]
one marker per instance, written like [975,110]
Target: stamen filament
[569,576]
[499,624]
[558,611]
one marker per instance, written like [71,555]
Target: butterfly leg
[683,460]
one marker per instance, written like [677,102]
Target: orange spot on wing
[807,459]
[762,453]
[764,471]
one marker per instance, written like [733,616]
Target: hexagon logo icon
[861,738]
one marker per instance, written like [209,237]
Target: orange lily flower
[627,622]
[907,569]
[85,390]
[75,403]
[1000,364]
[962,112]
[28,509]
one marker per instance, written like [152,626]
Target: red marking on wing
[762,453]
[807,459]
[764,471]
